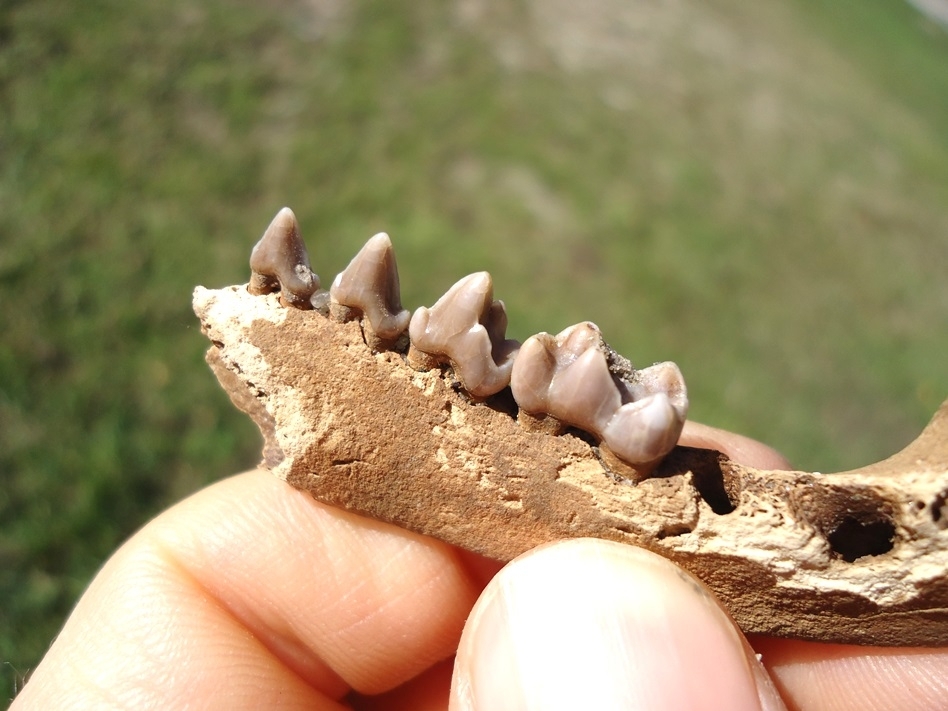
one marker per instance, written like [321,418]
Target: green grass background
[758,191]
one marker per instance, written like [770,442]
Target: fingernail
[591,624]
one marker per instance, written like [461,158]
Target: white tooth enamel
[466,328]
[583,393]
[638,414]
[279,262]
[645,430]
[369,287]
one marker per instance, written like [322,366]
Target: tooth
[659,378]
[369,288]
[467,329]
[578,379]
[567,377]
[584,394]
[644,431]
[279,262]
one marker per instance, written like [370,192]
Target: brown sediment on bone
[369,289]
[854,557]
[279,262]
[466,328]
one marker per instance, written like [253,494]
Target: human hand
[250,594]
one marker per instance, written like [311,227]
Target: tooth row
[571,379]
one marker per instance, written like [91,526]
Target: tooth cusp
[465,328]
[369,289]
[279,263]
[576,378]
[644,431]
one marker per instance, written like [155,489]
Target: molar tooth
[369,288]
[578,379]
[644,431]
[584,394]
[567,377]
[466,327]
[279,262]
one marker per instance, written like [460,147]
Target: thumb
[593,624]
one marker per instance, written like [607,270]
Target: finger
[595,624]
[737,447]
[252,595]
[831,677]
[426,692]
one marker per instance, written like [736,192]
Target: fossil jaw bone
[369,288]
[279,262]
[577,379]
[853,557]
[466,328]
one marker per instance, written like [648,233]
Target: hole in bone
[712,477]
[854,521]
[673,531]
[854,538]
[939,510]
[709,482]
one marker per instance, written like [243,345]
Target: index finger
[253,593]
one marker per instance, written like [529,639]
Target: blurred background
[757,191]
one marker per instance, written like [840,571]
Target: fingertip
[737,447]
[594,624]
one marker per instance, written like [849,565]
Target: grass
[759,192]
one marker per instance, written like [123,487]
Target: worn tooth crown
[279,262]
[369,287]
[466,327]
[638,415]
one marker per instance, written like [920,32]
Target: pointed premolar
[466,328]
[279,262]
[369,288]
[578,380]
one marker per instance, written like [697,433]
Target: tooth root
[465,328]
[369,288]
[569,377]
[279,262]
